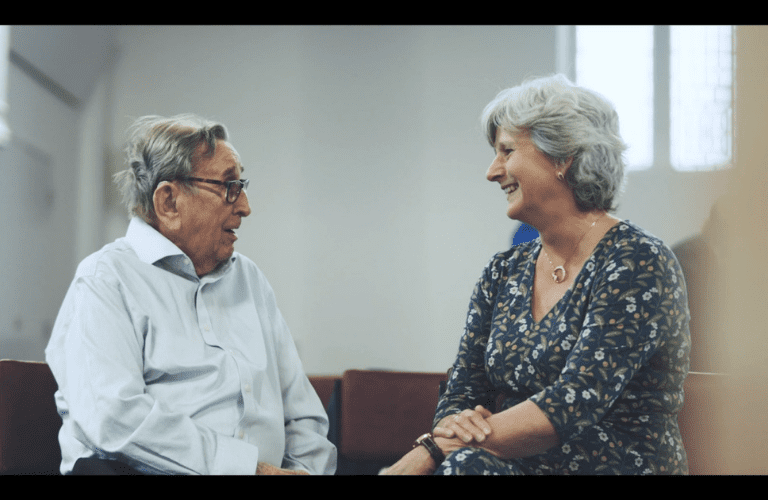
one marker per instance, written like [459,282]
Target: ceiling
[72,56]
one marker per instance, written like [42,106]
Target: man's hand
[265,469]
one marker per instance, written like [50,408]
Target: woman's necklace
[558,273]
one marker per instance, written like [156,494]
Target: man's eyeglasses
[234,188]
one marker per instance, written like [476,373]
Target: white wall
[371,214]
[38,186]
[371,217]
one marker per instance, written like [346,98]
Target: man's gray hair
[566,121]
[163,149]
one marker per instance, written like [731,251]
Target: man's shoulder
[241,260]
[246,268]
[116,253]
[245,272]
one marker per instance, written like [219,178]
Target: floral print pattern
[606,364]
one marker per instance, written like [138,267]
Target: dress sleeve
[468,384]
[636,321]
[96,355]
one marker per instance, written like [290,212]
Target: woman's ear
[566,164]
[165,201]
[562,168]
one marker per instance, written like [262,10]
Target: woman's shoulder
[503,267]
[626,234]
[512,257]
[628,245]
[628,230]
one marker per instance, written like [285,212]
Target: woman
[584,330]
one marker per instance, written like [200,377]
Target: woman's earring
[560,176]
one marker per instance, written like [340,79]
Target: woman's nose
[495,170]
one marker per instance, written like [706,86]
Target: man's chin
[227,254]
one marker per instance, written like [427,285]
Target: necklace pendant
[558,278]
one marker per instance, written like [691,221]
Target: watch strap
[428,442]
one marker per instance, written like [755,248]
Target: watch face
[420,439]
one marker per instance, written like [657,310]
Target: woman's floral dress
[606,364]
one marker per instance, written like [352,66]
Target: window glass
[700,97]
[617,61]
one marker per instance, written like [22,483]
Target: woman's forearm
[520,431]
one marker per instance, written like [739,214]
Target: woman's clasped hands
[469,426]
[452,433]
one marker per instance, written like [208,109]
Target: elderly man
[170,353]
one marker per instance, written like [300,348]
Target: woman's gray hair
[163,149]
[566,121]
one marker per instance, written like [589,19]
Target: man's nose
[242,207]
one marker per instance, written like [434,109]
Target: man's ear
[165,201]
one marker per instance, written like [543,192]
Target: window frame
[565,61]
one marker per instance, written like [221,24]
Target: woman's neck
[566,238]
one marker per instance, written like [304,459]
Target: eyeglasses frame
[242,182]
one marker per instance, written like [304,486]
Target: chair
[377,415]
[29,422]
[323,385]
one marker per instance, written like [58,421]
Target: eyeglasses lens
[233,192]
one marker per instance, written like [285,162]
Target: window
[701,73]
[671,86]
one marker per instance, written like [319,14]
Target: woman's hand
[520,431]
[419,462]
[469,425]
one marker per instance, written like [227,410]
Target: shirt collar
[153,248]
[150,246]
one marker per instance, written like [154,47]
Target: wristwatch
[427,442]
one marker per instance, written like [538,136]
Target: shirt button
[247,387]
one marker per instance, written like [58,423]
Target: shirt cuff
[234,457]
